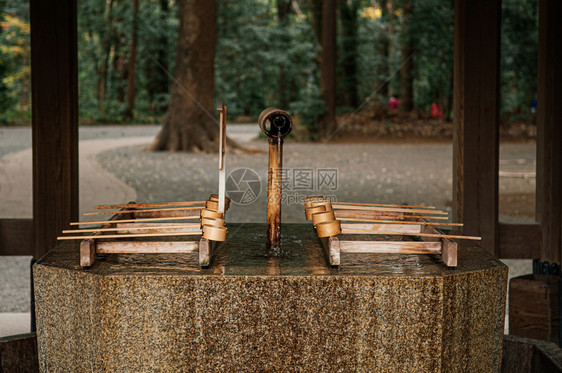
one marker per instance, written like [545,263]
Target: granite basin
[255,312]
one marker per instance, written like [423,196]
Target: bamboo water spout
[275,124]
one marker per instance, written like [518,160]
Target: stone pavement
[113,168]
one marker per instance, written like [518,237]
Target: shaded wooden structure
[476,140]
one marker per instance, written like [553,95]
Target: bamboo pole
[363,231]
[347,212]
[133,220]
[383,205]
[141,205]
[128,235]
[147,210]
[222,152]
[129,228]
[399,222]
[389,209]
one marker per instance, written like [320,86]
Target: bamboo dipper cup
[275,124]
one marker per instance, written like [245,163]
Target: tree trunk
[316,19]
[119,64]
[132,62]
[283,7]
[406,86]
[327,122]
[190,124]
[448,105]
[381,48]
[106,48]
[348,14]
[156,76]
[25,82]
[391,46]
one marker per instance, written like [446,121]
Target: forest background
[269,53]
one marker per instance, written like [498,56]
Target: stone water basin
[254,312]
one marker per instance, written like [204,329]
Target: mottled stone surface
[251,312]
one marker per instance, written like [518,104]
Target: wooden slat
[387,215]
[63,238]
[448,247]
[205,249]
[549,129]
[390,247]
[476,119]
[332,250]
[193,217]
[16,237]
[134,228]
[434,235]
[368,228]
[54,90]
[383,205]
[164,210]
[398,222]
[133,247]
[167,214]
[88,246]
[126,227]
[520,241]
[150,205]
[389,209]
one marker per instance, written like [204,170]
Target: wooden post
[534,307]
[476,123]
[549,130]
[54,78]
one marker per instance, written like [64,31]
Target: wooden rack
[157,220]
[116,235]
[331,220]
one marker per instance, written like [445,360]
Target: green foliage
[252,48]
[433,33]
[15,74]
[309,107]
[103,24]
[263,61]
[518,57]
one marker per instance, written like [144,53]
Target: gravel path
[364,172]
[389,173]
[13,139]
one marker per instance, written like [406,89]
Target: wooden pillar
[476,119]
[54,80]
[549,129]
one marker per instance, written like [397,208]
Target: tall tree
[157,84]
[348,16]
[106,50]
[283,7]
[316,18]
[131,75]
[327,122]
[391,43]
[406,78]
[381,48]
[190,124]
